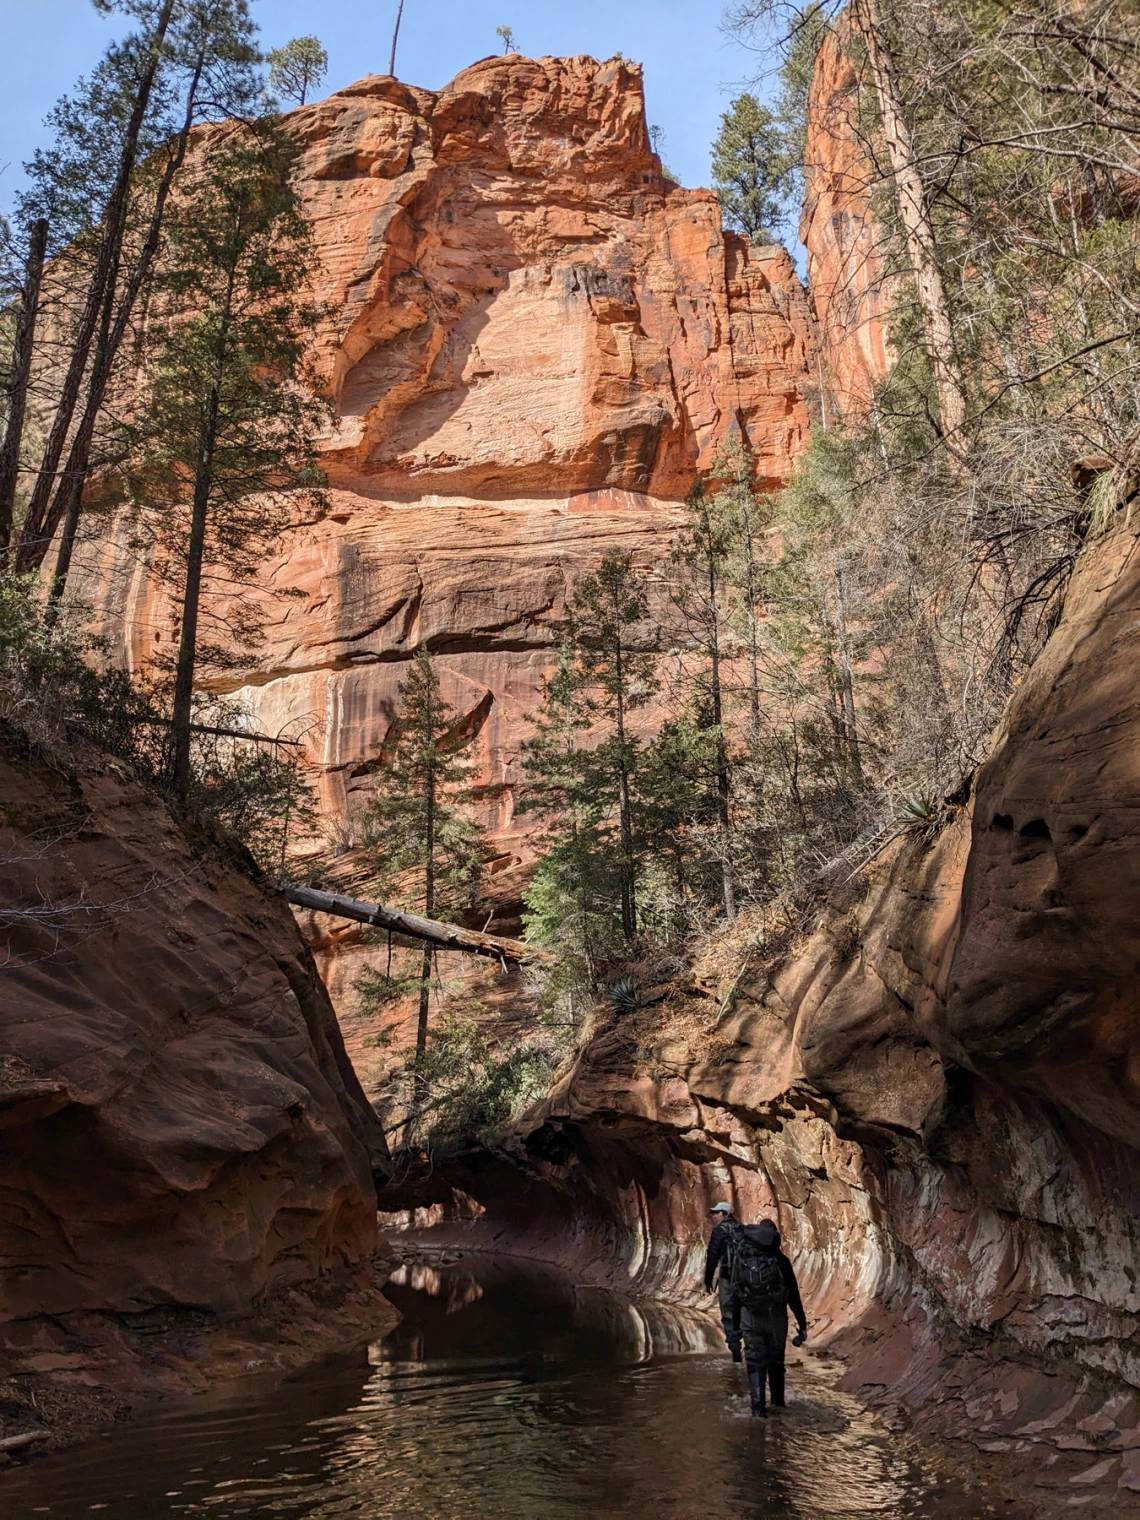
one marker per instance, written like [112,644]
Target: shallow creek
[506,1391]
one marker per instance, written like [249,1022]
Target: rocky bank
[185,1143]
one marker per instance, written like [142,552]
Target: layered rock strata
[535,344]
[181,1126]
[850,297]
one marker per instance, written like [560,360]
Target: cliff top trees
[297,69]
[751,169]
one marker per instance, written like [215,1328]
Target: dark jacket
[720,1245]
[719,1242]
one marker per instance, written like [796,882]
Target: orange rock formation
[849,298]
[538,342]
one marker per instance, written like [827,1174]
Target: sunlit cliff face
[535,343]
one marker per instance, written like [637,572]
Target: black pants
[765,1337]
[729,1312]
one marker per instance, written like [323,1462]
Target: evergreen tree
[752,169]
[420,837]
[227,438]
[745,516]
[606,672]
[678,810]
[701,558]
[571,897]
[617,677]
[297,68]
[105,189]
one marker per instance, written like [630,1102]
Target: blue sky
[691,69]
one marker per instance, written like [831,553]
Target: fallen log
[429,930]
[25,1438]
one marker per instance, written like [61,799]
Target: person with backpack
[764,1285]
[719,1255]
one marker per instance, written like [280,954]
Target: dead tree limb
[445,936]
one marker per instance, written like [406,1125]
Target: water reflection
[506,1391]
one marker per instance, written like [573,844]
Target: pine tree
[576,883]
[105,189]
[606,673]
[610,613]
[679,808]
[700,596]
[416,824]
[297,68]
[226,441]
[752,169]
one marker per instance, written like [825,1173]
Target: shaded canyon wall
[935,1091]
[180,1123]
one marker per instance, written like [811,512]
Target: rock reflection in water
[510,1391]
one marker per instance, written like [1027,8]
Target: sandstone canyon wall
[849,295]
[537,343]
[180,1123]
[935,1087]
[934,1091]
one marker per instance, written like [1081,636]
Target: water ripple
[506,1392]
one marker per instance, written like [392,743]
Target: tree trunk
[414,926]
[21,372]
[68,500]
[34,539]
[915,217]
[180,725]
[724,821]
[628,896]
[847,684]
[395,35]
[429,906]
[753,636]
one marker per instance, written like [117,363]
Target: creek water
[506,1391]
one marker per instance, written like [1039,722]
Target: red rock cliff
[539,341]
[845,274]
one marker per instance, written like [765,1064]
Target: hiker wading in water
[719,1255]
[764,1286]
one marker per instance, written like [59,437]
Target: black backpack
[757,1280]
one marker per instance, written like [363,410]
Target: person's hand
[800,1336]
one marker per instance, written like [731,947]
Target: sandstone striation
[536,343]
[849,296]
[181,1125]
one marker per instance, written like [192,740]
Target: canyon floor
[511,1388]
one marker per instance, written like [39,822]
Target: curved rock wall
[180,1123]
[934,1091]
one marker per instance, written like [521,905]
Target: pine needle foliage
[425,850]
[752,169]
